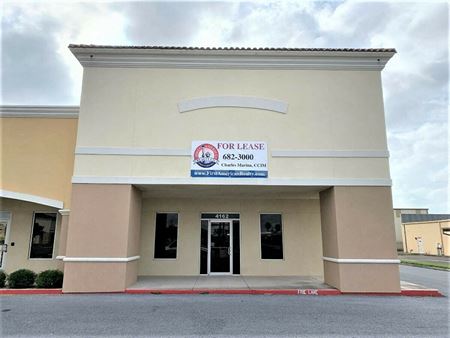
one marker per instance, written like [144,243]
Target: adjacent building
[188,161]
[427,234]
[398,212]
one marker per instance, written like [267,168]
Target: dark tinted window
[271,236]
[43,236]
[204,247]
[166,235]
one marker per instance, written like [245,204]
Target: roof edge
[39,111]
[230,49]
[230,57]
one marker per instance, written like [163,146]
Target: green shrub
[2,279]
[50,279]
[21,279]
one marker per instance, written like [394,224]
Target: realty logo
[206,155]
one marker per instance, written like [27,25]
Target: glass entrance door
[220,251]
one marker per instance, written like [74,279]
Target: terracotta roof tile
[387,50]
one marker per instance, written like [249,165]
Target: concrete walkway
[248,284]
[228,282]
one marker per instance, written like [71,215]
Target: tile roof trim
[383,50]
[244,58]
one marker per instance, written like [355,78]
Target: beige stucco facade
[320,113]
[301,235]
[19,234]
[424,237]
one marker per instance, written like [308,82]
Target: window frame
[154,234]
[282,237]
[30,242]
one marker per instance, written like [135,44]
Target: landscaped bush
[50,279]
[2,279]
[21,279]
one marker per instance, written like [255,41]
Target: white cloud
[58,25]
[415,81]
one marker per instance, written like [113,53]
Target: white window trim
[6,216]
[282,237]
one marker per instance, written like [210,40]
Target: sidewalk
[292,285]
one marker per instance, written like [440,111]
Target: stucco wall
[431,234]
[302,244]
[20,233]
[138,108]
[36,156]
[398,224]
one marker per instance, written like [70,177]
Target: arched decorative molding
[232,101]
[31,198]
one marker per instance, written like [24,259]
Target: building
[426,234]
[188,161]
[398,212]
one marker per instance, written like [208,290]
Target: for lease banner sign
[229,159]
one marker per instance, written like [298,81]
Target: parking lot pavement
[223,315]
[434,279]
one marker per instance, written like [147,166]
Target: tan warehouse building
[398,212]
[189,161]
[426,234]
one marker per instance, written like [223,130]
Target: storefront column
[62,241]
[103,238]
[359,239]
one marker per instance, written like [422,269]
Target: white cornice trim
[64,212]
[65,112]
[60,258]
[232,101]
[129,151]
[361,260]
[31,198]
[325,182]
[332,153]
[216,59]
[101,259]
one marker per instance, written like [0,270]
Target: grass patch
[426,264]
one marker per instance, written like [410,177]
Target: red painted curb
[30,291]
[301,292]
[406,292]
[298,292]
[422,293]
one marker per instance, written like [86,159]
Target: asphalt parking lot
[223,315]
[435,279]
[125,315]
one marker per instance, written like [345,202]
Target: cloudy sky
[37,67]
